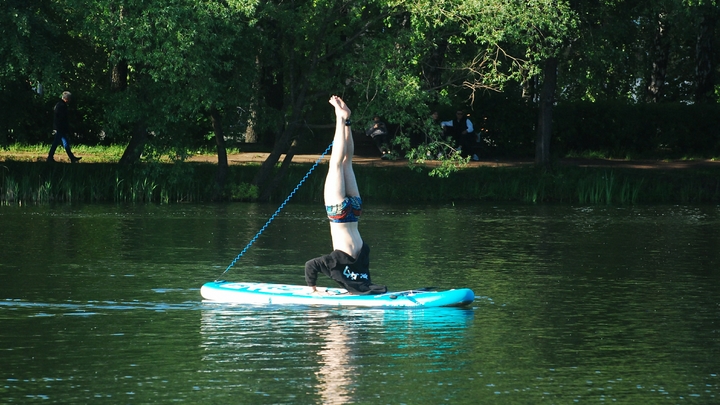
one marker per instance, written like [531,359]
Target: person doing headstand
[349,262]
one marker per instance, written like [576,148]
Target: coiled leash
[284,203]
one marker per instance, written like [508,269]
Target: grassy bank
[39,182]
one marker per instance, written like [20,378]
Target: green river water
[101,304]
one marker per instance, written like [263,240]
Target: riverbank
[26,178]
[243,158]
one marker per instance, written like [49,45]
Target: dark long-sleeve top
[61,122]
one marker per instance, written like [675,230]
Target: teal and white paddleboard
[282,294]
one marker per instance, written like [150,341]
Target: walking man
[61,127]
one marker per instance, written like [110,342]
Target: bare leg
[335,191]
[351,187]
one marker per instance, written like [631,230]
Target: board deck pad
[286,294]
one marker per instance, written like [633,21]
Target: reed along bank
[39,182]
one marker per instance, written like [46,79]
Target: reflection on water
[574,304]
[335,376]
[336,347]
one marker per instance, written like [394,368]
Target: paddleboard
[283,294]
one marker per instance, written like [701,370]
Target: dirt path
[243,158]
[259,157]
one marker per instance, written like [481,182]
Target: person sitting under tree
[349,262]
[462,131]
[379,134]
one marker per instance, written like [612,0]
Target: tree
[165,77]
[306,47]
[510,42]
[32,65]
[707,15]
[174,68]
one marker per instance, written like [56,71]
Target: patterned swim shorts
[348,210]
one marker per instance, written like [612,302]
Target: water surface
[101,304]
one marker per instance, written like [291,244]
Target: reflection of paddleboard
[281,294]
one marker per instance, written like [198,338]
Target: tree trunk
[222,171]
[136,146]
[661,47]
[118,76]
[282,145]
[704,66]
[547,99]
[267,191]
[119,72]
[250,135]
[529,84]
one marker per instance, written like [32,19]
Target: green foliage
[181,59]
[244,192]
[435,147]
[279,61]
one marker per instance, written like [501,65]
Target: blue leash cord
[292,193]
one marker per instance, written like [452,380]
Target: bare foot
[341,109]
[344,106]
